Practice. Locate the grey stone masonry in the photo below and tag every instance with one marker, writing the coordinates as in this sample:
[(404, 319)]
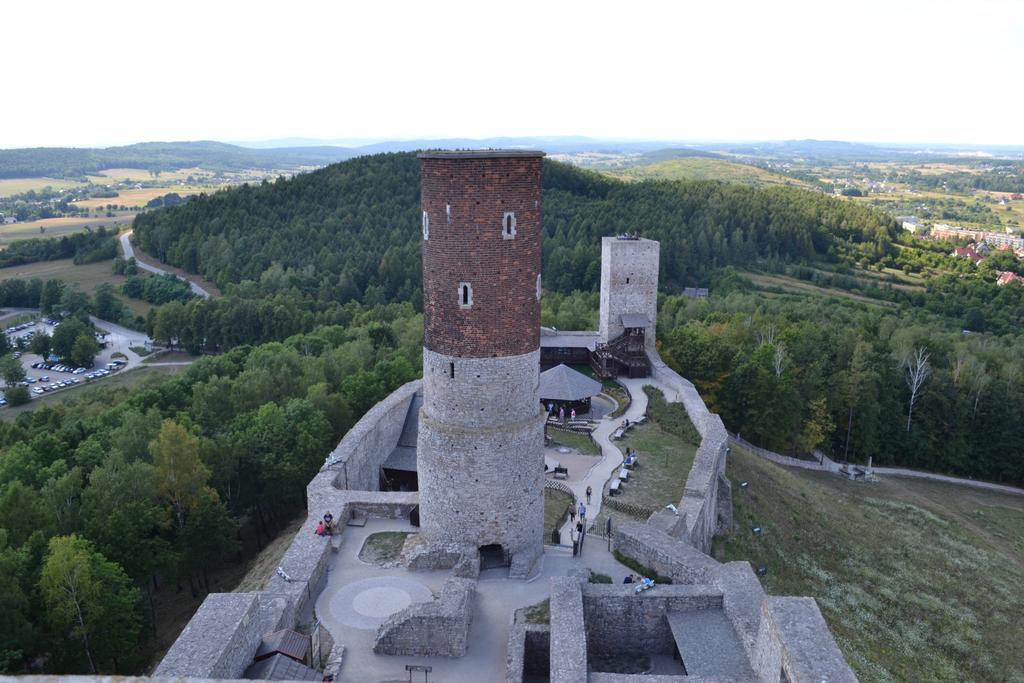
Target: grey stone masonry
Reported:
[(629, 285), (617, 618), (568, 632), (439, 628), (528, 653), (664, 554), (706, 480), (809, 654), (221, 638), (357, 459), (484, 485)]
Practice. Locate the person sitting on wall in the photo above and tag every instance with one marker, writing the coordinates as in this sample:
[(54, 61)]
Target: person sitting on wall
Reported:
[(329, 522), (320, 529), (628, 579)]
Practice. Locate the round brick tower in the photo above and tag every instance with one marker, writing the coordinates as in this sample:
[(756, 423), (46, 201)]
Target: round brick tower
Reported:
[(480, 448)]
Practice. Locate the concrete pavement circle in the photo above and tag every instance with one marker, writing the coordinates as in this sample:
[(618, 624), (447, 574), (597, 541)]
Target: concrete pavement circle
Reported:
[(367, 604)]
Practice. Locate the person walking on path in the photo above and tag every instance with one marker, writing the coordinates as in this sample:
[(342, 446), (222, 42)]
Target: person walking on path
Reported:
[(561, 413), (581, 533), (590, 491), (572, 415), (572, 513), (575, 536), (582, 511)]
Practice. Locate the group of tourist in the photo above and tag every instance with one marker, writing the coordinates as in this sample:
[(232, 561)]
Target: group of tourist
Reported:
[(561, 412), (325, 527)]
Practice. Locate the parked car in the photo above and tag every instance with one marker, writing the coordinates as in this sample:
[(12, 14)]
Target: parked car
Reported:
[(44, 378), (37, 391)]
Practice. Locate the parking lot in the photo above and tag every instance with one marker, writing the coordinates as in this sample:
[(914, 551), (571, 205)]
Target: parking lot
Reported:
[(43, 377)]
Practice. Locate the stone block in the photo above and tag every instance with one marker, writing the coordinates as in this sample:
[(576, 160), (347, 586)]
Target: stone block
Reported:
[(439, 628)]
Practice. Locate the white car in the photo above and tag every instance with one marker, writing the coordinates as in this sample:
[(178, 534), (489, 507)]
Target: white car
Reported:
[(38, 390)]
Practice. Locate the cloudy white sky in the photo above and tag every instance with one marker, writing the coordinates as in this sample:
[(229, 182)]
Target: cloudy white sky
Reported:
[(98, 73)]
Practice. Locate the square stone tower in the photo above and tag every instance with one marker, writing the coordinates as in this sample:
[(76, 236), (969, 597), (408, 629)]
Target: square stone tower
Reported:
[(629, 287), (480, 449)]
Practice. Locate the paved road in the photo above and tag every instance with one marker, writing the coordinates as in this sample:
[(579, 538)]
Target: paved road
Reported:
[(129, 252)]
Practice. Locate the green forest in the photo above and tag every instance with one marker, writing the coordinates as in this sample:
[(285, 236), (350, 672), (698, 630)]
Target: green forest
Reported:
[(350, 231), (150, 491), (75, 162)]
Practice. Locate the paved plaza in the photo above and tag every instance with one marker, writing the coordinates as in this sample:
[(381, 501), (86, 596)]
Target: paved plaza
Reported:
[(358, 597)]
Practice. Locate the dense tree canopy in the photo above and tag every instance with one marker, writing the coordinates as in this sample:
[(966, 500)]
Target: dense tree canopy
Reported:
[(351, 231), (117, 488)]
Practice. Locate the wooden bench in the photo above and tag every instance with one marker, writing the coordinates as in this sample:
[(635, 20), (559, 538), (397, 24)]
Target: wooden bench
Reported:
[(561, 473), (624, 474), (613, 488)]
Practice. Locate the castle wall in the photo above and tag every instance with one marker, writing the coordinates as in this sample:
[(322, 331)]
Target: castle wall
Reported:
[(618, 618), (357, 459), (222, 637), (699, 503), (629, 285)]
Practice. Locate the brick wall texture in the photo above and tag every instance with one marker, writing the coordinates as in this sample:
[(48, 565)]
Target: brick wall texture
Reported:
[(466, 198)]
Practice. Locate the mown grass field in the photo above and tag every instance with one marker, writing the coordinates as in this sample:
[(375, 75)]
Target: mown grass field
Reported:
[(58, 227), (85, 277), (109, 175), (137, 199), (13, 186), (918, 580), (797, 286), (700, 168)]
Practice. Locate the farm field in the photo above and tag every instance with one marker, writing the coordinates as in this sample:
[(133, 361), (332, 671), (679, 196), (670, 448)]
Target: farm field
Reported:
[(57, 227), (13, 186), (137, 199), (85, 277), (701, 168), (795, 286), (918, 580), (108, 175)]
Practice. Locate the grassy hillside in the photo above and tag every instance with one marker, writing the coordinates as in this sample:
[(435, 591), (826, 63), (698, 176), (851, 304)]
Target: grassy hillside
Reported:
[(918, 580), (700, 168)]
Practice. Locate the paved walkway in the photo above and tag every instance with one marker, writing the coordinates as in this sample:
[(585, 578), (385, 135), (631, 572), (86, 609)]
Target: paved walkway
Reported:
[(611, 456), (129, 252), (900, 472), (828, 465)]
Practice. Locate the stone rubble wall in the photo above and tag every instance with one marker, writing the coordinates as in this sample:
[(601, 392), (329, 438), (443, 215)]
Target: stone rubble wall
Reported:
[(809, 654), (618, 617), (528, 653), (357, 459), (431, 629), (568, 632), (222, 637), (700, 495)]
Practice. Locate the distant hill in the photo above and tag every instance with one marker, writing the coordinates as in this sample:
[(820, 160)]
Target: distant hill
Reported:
[(351, 230), (73, 162), (705, 167)]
